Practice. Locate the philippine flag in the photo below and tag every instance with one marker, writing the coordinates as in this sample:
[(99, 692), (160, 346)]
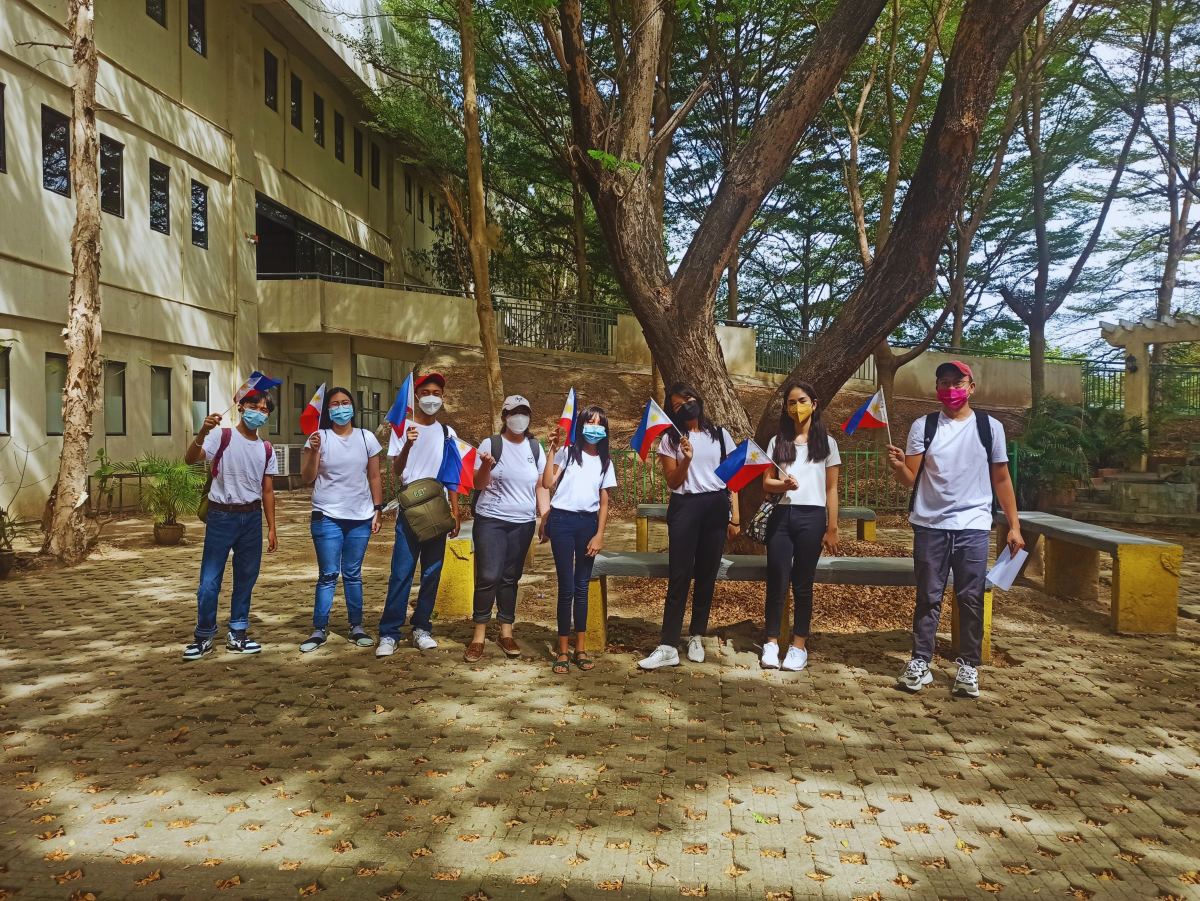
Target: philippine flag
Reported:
[(256, 384), (743, 466), (458, 466), (310, 419), (566, 422), (871, 415), (654, 423), (399, 415)]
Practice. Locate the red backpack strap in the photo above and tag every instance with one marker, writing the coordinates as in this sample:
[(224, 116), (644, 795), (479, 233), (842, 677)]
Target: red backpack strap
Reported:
[(226, 435), (270, 451)]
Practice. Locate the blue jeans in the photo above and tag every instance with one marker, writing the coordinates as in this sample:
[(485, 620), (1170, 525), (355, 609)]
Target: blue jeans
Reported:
[(224, 532), (405, 555), (569, 534), (341, 545)]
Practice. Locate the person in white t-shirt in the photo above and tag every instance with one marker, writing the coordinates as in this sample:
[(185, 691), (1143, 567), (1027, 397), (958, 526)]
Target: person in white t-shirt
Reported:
[(418, 456), (956, 459), (804, 521), (510, 501), (580, 477), (242, 492), (342, 463), (701, 514)]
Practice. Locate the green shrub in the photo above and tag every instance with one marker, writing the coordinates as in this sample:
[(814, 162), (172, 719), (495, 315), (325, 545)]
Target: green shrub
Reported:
[(169, 489)]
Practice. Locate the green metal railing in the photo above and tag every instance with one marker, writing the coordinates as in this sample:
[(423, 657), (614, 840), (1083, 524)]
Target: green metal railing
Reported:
[(554, 325), (1103, 384)]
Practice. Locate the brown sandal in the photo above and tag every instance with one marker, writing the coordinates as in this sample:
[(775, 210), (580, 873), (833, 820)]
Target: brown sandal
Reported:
[(583, 661), (474, 652)]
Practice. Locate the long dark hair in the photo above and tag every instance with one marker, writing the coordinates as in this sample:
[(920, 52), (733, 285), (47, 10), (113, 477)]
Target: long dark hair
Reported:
[(683, 389), (326, 422), (575, 451), (818, 435)]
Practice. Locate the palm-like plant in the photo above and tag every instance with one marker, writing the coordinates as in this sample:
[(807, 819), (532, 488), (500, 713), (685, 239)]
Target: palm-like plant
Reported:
[(1110, 439), (170, 488), (1051, 451)]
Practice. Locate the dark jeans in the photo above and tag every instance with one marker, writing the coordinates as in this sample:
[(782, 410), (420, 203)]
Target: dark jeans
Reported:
[(405, 554), (696, 525), (341, 545), (500, 549), (794, 535), (224, 532), (937, 552), (569, 534)]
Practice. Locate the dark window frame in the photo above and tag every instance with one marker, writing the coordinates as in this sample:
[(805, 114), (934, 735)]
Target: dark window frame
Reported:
[(154, 370), (6, 384), (200, 239), (339, 137), (407, 193), (63, 359), (204, 377), (112, 206), (124, 398), (270, 80), (420, 203), (164, 170), (376, 165), (53, 118), (432, 210), (358, 152), (197, 26), (157, 10), (3, 130), (296, 99), (318, 119)]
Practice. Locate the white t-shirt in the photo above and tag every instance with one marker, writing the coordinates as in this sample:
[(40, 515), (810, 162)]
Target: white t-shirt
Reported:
[(810, 475), (342, 489), (425, 455), (706, 457), (241, 470), (955, 491), (511, 495), (579, 487)]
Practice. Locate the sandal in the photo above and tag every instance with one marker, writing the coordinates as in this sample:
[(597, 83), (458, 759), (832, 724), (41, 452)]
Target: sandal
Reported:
[(358, 635), (583, 661), (313, 641), (562, 666)]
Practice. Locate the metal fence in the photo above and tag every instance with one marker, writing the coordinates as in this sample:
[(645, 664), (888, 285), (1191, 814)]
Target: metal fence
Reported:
[(779, 354), (552, 325), (1103, 383), (1176, 389)]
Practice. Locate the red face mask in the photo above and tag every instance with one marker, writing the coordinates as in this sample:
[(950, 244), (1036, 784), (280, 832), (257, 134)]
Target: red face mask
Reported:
[(953, 397)]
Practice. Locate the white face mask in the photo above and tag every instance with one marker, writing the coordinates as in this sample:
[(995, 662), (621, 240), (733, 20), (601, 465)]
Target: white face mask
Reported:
[(518, 423), (430, 404)]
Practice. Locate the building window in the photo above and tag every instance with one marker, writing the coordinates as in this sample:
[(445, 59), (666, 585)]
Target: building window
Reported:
[(4, 358), (114, 398), (273, 419), (3, 151), (339, 137), (56, 382), (297, 102), (358, 141), (432, 210), (270, 80), (299, 402), (157, 10), (199, 214), (199, 400), (112, 176), (197, 32), (319, 119), (374, 165), (56, 152), (421, 202), (160, 197), (289, 243), (407, 193), (160, 400)]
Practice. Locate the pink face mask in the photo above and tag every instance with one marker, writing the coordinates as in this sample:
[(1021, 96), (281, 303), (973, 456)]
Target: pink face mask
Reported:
[(953, 397)]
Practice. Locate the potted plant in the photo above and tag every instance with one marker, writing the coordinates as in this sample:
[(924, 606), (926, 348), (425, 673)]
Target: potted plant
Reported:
[(1052, 461), (169, 489)]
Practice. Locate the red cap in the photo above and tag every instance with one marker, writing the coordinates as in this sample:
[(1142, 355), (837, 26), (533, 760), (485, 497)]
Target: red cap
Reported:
[(957, 364), (431, 377)]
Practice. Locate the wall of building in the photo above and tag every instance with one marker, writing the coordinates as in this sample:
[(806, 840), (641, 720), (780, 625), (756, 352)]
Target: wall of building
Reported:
[(998, 381)]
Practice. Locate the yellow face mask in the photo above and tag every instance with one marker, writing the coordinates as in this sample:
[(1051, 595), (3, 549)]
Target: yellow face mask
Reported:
[(799, 411)]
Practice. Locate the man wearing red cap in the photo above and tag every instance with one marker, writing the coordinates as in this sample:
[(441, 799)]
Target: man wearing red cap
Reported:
[(954, 460)]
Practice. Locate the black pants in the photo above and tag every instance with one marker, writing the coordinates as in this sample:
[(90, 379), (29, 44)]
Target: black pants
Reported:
[(696, 525), (793, 548), (500, 549)]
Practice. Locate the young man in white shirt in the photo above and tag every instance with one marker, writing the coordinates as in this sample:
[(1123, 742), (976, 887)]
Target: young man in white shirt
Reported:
[(418, 456), (242, 490), (956, 458)]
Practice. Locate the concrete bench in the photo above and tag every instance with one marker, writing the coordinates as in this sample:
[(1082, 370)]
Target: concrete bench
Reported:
[(864, 516), (1145, 571), (888, 571)]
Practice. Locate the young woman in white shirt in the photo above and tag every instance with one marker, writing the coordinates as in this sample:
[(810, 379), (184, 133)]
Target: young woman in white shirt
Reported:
[(700, 515), (580, 476), (804, 521), (343, 463)]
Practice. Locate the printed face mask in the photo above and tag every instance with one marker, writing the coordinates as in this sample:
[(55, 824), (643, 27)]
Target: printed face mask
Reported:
[(689, 411), (518, 423), (430, 404), (343, 414), (254, 419), (594, 433), (799, 411), (953, 397)]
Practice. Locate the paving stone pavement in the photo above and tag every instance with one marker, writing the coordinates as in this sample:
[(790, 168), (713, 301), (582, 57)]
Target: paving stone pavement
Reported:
[(127, 774)]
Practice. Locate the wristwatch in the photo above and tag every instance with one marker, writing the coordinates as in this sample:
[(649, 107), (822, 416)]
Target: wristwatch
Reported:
[(379, 508)]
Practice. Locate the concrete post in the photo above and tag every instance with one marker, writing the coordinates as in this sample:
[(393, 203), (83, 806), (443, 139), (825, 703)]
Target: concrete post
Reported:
[(345, 364), (597, 618), (1070, 570), (1137, 386), (244, 287)]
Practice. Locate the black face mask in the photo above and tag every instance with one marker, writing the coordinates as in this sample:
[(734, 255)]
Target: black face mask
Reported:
[(689, 411)]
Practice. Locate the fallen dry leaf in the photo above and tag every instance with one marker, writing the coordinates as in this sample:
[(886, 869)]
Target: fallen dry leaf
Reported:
[(67, 877), (610, 885), (150, 877), (694, 891), (734, 871), (212, 862), (223, 884), (309, 890), (57, 855), (448, 875), (180, 824), (530, 879), (291, 865), (343, 846)]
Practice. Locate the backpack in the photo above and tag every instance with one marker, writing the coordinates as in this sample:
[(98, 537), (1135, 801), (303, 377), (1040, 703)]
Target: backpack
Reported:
[(983, 427), (226, 436), (497, 447)]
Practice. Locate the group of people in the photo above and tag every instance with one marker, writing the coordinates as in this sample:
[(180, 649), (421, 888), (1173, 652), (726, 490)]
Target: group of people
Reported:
[(954, 461)]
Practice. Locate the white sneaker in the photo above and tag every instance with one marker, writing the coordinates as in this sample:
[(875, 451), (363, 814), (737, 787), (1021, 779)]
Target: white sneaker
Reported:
[(695, 649), (770, 655), (915, 675), (422, 640), (966, 683), (663, 655), (386, 647), (796, 660)]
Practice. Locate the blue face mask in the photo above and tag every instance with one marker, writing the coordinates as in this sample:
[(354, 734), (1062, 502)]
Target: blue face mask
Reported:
[(343, 414), (594, 433), (254, 419)]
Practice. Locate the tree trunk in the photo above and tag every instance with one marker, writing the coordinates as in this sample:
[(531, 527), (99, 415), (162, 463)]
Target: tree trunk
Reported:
[(731, 285), (887, 363), (1037, 358), (581, 266), (478, 242), (70, 535)]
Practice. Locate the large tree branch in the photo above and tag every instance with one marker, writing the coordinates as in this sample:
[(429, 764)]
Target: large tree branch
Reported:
[(923, 345), (668, 129), (587, 106)]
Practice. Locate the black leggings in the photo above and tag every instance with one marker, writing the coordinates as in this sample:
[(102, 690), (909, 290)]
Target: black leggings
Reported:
[(696, 525), (500, 549), (793, 548)]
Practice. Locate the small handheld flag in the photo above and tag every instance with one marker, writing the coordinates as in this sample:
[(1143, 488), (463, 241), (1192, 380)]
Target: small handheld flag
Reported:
[(871, 415), (566, 422), (310, 419), (743, 466), (256, 384), (458, 466), (654, 423), (399, 415)]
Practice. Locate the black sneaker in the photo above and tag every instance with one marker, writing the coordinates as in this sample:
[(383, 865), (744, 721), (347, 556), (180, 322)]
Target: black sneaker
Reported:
[(201, 647), (238, 643)]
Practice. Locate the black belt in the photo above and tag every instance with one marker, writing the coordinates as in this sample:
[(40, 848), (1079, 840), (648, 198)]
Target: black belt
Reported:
[(252, 507)]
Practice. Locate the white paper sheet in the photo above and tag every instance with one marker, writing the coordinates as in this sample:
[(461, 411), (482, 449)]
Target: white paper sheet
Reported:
[(1006, 568)]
